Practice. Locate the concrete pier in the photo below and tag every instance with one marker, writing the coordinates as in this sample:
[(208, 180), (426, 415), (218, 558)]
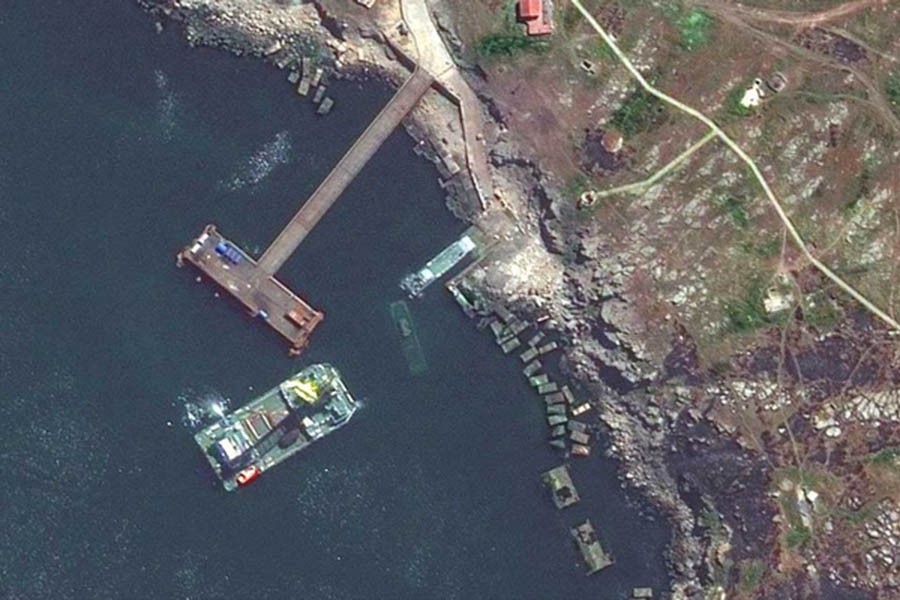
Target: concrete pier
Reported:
[(345, 172), (262, 295), (253, 283)]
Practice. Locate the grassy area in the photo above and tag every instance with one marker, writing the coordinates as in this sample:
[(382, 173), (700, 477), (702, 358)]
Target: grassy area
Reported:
[(855, 517), (886, 457), (710, 519), (601, 51), (640, 113), (797, 536), (819, 310), (509, 39), (747, 313), (863, 185), (694, 27), (733, 106), (735, 209), (571, 18), (576, 186), (807, 478), (892, 89), (763, 246), (751, 574), (509, 44)]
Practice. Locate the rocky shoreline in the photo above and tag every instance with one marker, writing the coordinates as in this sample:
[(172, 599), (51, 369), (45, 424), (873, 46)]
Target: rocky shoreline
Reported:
[(714, 491), (284, 37)]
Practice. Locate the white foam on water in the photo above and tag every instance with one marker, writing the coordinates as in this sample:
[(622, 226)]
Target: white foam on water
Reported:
[(167, 106), (199, 407), (261, 164)]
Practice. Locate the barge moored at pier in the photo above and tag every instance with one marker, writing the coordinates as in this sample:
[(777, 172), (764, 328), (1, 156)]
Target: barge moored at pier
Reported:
[(415, 283), (241, 445)]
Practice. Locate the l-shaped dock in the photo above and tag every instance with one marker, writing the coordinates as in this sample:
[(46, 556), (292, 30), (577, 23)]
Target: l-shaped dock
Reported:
[(253, 283)]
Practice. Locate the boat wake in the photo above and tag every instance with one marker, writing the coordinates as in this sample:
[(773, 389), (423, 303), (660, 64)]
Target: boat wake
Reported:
[(204, 409)]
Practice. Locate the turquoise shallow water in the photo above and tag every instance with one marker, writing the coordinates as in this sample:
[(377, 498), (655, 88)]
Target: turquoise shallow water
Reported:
[(116, 146)]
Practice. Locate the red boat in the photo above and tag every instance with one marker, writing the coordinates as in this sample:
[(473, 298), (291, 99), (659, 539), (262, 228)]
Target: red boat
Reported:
[(248, 475)]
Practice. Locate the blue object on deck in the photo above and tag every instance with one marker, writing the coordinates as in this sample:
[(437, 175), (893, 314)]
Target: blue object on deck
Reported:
[(233, 255), (221, 248)]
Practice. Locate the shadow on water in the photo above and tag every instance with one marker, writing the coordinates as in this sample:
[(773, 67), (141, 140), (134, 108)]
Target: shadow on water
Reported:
[(116, 147)]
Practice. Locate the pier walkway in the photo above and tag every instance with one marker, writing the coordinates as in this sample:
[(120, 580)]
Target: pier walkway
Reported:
[(345, 172), (253, 283), (431, 53)]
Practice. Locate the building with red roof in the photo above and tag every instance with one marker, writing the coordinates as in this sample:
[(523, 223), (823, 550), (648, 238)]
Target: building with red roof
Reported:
[(531, 12)]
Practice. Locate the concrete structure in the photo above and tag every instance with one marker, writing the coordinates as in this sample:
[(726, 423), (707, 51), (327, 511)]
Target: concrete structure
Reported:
[(259, 292), (345, 172), (253, 283), (430, 53)]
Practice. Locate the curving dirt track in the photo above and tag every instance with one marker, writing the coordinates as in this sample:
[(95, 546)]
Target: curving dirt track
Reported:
[(739, 17), (786, 17)]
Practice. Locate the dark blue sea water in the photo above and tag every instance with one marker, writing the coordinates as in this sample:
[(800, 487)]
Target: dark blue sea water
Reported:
[(116, 146)]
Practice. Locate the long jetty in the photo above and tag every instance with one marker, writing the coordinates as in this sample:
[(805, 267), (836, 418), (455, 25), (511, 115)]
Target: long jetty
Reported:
[(346, 171), (253, 283)]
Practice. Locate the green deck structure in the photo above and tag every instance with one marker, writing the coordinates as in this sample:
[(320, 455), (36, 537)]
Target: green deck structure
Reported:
[(595, 557), (409, 341)]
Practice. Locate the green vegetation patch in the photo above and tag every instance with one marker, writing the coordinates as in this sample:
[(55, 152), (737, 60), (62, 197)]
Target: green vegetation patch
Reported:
[(892, 89), (751, 574), (855, 517), (603, 52), (571, 17), (747, 313), (733, 106), (797, 536), (694, 27), (710, 519), (509, 39), (862, 184), (577, 185), (735, 209), (808, 479), (820, 310), (886, 457), (640, 113), (763, 246), (509, 44)]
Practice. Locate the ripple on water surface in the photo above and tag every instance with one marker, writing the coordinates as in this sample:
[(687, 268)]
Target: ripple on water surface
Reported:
[(52, 519), (261, 163), (167, 106)]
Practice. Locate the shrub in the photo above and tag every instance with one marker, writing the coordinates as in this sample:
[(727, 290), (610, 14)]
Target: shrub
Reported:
[(694, 27), (641, 112), (505, 44)]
